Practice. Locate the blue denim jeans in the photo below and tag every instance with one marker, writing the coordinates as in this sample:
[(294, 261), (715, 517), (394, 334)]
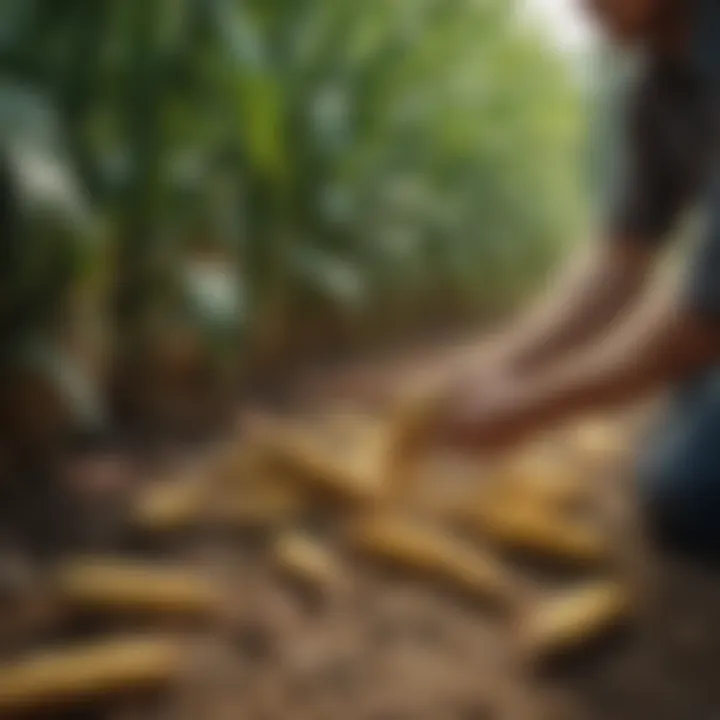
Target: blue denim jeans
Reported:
[(679, 468)]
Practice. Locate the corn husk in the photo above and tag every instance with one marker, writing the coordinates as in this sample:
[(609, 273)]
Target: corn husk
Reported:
[(546, 476), (529, 529), (302, 558), (265, 502), (118, 586), (171, 505), (574, 620), (410, 424), (74, 675), (431, 551), (353, 473)]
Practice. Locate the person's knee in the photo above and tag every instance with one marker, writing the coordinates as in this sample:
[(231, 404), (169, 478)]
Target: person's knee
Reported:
[(679, 469), (680, 502), (660, 489)]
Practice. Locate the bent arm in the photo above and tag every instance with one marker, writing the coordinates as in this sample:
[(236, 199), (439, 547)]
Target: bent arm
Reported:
[(599, 285), (658, 345)]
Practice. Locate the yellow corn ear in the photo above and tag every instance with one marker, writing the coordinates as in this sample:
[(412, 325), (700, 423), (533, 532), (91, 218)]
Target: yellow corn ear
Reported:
[(303, 558), (597, 441), (112, 585), (77, 674), (572, 621), (410, 424), (264, 502), (527, 529), (545, 478), (171, 506), (429, 550), (236, 465), (353, 476)]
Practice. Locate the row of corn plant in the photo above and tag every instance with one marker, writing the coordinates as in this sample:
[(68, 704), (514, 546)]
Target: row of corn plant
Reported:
[(260, 177)]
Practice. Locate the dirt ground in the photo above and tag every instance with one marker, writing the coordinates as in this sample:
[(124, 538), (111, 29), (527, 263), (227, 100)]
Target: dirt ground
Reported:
[(379, 644)]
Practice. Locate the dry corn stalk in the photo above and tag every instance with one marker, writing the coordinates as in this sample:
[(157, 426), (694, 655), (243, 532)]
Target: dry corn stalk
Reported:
[(113, 585), (574, 620), (352, 474), (415, 546), (303, 558), (79, 673), (530, 529)]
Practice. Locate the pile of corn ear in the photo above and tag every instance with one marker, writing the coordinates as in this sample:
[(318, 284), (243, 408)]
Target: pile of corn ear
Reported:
[(535, 505)]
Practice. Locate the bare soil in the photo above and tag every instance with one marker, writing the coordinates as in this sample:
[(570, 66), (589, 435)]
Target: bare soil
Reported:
[(378, 646)]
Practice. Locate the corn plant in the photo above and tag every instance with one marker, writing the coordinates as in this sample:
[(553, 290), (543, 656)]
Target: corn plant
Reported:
[(273, 170)]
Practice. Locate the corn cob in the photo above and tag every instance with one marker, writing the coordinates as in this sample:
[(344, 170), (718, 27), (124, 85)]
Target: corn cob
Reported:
[(596, 441), (574, 620), (113, 585), (266, 501), (177, 506), (353, 476), (525, 528), (304, 559), (410, 424), (417, 547), (548, 479), (74, 675), (171, 506)]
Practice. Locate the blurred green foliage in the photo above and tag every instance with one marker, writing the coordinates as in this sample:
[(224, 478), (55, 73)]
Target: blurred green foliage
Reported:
[(270, 169)]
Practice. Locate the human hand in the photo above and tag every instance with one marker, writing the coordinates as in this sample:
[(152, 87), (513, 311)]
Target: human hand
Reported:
[(488, 414), (443, 408)]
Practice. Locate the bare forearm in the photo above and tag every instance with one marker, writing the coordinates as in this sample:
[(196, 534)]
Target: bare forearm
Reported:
[(598, 288), (659, 345)]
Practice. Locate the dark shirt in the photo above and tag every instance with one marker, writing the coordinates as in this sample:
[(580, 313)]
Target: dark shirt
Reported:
[(672, 161)]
